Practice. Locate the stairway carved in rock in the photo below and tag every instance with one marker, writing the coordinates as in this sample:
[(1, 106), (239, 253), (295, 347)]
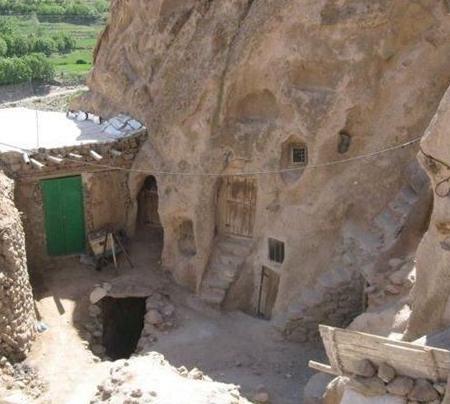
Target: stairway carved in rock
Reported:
[(228, 256)]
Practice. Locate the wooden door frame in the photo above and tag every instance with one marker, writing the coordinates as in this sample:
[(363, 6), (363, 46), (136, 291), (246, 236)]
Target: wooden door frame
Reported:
[(223, 205)]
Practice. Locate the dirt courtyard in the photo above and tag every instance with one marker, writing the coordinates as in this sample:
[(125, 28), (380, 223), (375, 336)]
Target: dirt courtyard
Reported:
[(229, 347)]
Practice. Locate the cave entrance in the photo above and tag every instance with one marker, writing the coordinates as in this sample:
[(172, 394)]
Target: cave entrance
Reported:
[(149, 203), (149, 228), (123, 321)]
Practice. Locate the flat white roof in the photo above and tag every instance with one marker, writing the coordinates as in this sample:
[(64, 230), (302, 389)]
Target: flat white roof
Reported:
[(19, 129)]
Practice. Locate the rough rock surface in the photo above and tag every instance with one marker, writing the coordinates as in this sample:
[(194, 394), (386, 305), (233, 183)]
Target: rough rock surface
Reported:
[(17, 318), (227, 86), (431, 293), (151, 379)]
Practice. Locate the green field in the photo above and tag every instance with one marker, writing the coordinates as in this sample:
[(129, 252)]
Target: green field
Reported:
[(67, 70)]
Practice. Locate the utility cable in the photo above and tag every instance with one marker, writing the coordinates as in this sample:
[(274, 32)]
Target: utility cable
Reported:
[(249, 173)]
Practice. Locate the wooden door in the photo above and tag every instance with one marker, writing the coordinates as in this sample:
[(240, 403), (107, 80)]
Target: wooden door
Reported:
[(268, 291), (64, 215), (237, 204)]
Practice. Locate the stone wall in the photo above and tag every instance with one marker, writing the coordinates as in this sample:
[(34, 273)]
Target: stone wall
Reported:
[(105, 190), (17, 317)]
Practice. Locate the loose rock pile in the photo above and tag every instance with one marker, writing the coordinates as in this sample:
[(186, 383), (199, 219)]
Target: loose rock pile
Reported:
[(20, 377), (397, 281), (378, 381), (151, 379), (159, 319)]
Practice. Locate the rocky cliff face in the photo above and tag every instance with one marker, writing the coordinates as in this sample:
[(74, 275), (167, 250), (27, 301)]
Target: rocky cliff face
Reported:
[(229, 87), (17, 319), (431, 293)]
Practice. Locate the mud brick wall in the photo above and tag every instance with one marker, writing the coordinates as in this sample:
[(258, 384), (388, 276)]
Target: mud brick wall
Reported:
[(105, 188)]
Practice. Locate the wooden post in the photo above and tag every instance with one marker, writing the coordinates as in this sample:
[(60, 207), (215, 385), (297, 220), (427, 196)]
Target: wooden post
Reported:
[(36, 164), (95, 155), (113, 248)]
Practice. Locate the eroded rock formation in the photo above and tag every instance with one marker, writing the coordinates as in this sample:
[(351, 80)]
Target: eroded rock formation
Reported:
[(431, 293), (17, 318), (258, 86)]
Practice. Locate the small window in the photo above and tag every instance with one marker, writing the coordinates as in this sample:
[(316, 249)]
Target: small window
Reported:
[(299, 155), (276, 250)]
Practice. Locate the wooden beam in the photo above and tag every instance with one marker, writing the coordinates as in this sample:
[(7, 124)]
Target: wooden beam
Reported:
[(321, 367)]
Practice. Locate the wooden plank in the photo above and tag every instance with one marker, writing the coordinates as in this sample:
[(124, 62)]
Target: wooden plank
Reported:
[(346, 348), (328, 337), (321, 367)]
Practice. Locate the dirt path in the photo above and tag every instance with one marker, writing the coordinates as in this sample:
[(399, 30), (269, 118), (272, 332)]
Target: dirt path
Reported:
[(60, 354), (230, 347), (53, 99)]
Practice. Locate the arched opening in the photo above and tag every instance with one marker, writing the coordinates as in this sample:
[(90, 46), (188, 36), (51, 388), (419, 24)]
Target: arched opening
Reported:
[(148, 223)]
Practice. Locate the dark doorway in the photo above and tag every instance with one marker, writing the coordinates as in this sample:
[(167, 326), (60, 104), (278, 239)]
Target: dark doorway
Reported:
[(148, 203), (123, 321)]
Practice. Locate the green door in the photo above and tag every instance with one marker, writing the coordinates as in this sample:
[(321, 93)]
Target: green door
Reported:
[(64, 215)]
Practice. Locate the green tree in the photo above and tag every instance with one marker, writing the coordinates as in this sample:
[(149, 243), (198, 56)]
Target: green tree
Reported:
[(8, 25), (64, 42), (14, 70), (44, 45), (18, 45), (3, 47), (41, 68)]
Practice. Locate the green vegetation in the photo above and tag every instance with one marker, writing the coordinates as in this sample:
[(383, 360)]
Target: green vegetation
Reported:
[(56, 10), (26, 68), (64, 49)]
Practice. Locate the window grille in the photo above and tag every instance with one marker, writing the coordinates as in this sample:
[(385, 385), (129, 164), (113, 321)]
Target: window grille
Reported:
[(299, 155), (276, 251)]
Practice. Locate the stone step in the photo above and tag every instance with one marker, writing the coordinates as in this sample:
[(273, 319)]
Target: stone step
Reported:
[(213, 296), (221, 271), (226, 260), (218, 281), (234, 247)]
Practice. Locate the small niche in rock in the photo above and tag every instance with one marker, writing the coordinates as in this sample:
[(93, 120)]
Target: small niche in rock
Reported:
[(123, 321), (345, 141)]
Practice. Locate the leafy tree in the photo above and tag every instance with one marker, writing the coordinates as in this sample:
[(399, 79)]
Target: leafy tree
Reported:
[(41, 68), (8, 25), (44, 45), (18, 45), (14, 70), (3, 47), (64, 42), (102, 6)]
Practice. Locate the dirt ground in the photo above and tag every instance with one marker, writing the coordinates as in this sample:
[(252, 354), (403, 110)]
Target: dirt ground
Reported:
[(42, 97), (229, 347)]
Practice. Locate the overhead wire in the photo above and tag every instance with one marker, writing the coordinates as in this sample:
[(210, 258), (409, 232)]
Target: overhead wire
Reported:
[(243, 173)]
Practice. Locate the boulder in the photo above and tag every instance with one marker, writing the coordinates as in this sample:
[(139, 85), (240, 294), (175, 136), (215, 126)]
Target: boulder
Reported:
[(315, 388), (400, 386), (97, 294), (365, 368), (386, 372), (154, 317), (261, 397), (423, 391)]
